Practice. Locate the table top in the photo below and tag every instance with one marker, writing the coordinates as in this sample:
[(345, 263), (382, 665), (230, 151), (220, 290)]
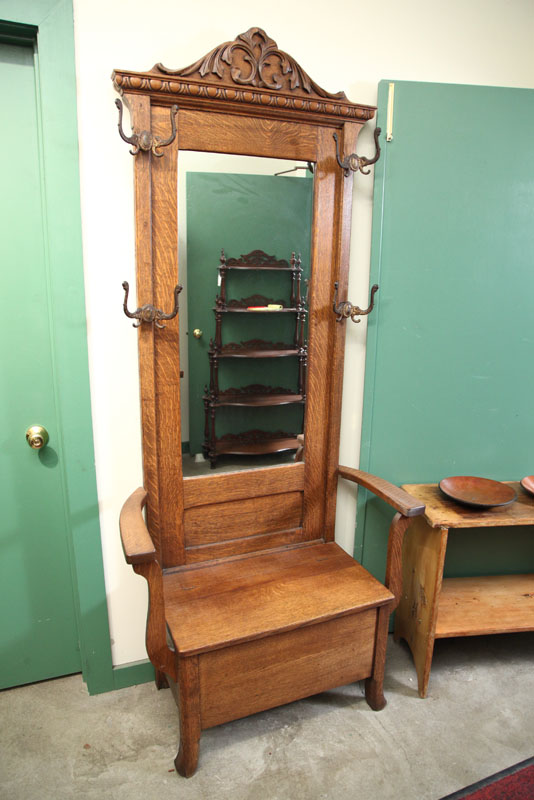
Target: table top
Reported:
[(440, 512)]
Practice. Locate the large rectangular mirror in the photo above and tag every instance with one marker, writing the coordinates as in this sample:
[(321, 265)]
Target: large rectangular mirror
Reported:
[(244, 228)]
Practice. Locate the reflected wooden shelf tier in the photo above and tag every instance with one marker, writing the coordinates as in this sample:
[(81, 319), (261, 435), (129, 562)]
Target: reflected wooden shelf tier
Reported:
[(254, 442)]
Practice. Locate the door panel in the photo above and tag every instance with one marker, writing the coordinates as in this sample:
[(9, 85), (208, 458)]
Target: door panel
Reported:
[(39, 636), (449, 377)]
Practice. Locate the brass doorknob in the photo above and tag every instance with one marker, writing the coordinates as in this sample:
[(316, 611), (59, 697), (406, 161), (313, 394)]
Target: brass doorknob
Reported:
[(197, 333), (37, 437)]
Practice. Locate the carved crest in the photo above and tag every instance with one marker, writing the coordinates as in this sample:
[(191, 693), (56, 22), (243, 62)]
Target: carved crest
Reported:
[(253, 59), (250, 71)]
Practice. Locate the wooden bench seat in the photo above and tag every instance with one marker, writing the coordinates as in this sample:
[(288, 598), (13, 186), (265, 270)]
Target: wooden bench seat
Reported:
[(236, 636), (211, 607)]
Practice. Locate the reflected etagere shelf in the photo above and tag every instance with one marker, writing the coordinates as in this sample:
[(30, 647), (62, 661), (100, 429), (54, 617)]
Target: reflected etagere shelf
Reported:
[(255, 395)]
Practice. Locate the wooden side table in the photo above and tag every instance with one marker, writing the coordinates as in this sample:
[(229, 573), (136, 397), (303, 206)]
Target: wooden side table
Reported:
[(432, 607)]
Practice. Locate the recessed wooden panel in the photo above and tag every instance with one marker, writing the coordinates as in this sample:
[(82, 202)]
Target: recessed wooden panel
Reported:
[(285, 667), (221, 521)]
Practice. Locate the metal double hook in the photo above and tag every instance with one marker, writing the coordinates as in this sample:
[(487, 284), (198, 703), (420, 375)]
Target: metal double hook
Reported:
[(145, 140), (149, 313), (355, 162), (344, 310)]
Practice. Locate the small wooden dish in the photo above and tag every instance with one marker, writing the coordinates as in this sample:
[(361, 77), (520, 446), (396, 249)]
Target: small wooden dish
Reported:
[(528, 484), (478, 492)]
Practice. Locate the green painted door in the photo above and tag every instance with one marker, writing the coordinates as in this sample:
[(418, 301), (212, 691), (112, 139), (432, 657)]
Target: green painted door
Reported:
[(39, 631), (240, 213), (450, 352)]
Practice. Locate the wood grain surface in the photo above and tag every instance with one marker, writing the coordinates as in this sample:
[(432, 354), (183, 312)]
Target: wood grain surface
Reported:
[(348, 137), (220, 605), (166, 343), (422, 573), (208, 489), (136, 541), (254, 676), (489, 604), (247, 136), (140, 116), (239, 518), (398, 498), (244, 545), (442, 512)]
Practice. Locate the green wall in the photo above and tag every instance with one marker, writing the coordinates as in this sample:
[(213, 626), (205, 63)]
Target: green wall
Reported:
[(450, 352)]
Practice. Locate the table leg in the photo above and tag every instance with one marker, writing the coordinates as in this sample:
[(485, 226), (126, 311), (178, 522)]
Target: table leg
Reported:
[(422, 574)]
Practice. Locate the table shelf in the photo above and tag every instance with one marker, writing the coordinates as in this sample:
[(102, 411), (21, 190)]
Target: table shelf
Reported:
[(488, 604)]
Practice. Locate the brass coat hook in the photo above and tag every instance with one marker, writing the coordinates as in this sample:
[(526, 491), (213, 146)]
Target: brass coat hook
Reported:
[(149, 313), (345, 309), (145, 140), (354, 162)]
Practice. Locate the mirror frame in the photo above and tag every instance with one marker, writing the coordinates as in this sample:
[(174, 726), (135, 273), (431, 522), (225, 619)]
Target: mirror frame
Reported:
[(248, 98)]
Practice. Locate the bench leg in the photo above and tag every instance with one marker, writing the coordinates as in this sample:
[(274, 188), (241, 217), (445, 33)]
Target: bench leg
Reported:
[(374, 685), (189, 708), (161, 680)]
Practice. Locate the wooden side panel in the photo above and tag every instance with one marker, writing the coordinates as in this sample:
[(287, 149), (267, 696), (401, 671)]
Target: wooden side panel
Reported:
[(254, 676), (141, 120), (166, 342), (331, 236), (415, 620), (248, 136), (336, 358)]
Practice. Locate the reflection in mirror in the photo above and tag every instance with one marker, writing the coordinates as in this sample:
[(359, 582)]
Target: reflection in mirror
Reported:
[(244, 262)]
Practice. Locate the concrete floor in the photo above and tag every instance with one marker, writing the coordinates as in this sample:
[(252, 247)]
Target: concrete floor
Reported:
[(57, 742)]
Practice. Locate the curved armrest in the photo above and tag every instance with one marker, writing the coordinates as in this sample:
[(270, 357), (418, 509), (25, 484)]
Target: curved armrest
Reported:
[(136, 541), (403, 502)]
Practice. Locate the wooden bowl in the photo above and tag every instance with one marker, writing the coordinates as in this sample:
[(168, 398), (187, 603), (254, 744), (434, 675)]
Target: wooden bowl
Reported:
[(478, 492), (528, 484)]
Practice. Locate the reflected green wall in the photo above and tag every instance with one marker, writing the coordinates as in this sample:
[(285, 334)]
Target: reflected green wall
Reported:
[(240, 213)]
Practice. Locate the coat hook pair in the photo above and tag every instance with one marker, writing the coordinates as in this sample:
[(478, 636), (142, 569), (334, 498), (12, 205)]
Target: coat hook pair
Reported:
[(355, 162), (149, 313), (145, 140), (345, 309)]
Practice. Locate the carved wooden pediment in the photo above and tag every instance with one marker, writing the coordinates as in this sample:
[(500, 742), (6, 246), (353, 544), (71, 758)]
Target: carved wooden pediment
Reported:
[(249, 70), (253, 59)]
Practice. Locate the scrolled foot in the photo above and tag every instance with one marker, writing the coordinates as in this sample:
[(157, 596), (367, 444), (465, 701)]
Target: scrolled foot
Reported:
[(186, 760), (374, 695)]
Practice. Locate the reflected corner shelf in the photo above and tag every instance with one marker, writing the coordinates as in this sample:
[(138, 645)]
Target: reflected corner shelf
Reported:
[(254, 442)]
